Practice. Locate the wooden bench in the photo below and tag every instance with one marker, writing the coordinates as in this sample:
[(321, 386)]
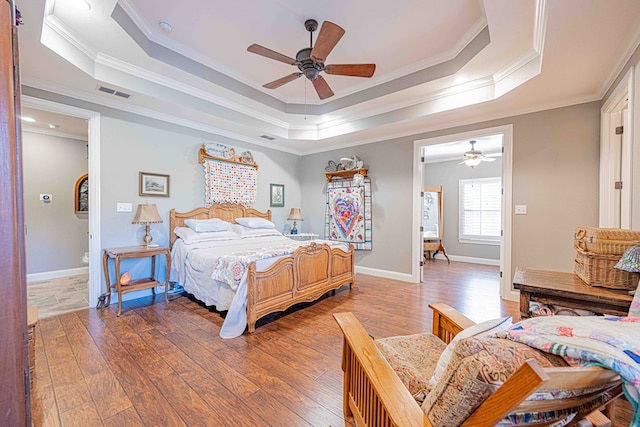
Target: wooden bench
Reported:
[(567, 290)]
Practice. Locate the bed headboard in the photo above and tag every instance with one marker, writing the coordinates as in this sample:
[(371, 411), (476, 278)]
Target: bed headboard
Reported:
[(225, 211)]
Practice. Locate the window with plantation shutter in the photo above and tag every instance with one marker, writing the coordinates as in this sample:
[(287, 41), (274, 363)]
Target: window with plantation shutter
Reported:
[(480, 210)]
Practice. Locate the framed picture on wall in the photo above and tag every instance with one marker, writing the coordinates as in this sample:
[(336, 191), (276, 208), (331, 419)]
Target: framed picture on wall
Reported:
[(153, 184), (277, 196)]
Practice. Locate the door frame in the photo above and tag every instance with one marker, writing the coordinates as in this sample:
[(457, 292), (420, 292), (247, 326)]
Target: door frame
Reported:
[(506, 288), (608, 140), (93, 140)]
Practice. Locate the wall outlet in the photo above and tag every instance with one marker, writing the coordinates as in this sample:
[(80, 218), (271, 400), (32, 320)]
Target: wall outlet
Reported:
[(46, 197), (124, 207), (521, 209)]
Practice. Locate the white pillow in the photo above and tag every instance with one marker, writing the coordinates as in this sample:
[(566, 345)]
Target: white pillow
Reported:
[(487, 328), (254, 222), (189, 236), (204, 225), (245, 232)]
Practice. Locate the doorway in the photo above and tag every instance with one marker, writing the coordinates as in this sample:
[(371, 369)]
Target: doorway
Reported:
[(93, 155), (505, 133), (55, 163), (616, 159)]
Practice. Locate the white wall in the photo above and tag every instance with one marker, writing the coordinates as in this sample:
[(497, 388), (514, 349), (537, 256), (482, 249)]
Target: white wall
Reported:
[(134, 145), (555, 173), (56, 236)]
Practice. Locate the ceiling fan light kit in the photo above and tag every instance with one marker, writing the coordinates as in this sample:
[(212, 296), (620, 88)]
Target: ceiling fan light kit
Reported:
[(310, 60), (473, 157)]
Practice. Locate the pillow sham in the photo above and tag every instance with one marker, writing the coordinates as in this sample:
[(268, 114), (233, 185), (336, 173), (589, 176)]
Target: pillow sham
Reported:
[(245, 232), (205, 225), (252, 222), (189, 236), (483, 329)]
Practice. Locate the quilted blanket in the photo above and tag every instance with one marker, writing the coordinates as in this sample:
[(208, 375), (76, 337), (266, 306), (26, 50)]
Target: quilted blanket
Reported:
[(231, 268), (610, 342)]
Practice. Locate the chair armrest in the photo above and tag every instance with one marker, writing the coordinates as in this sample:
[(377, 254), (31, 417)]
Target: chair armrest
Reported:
[(372, 390), (448, 322)]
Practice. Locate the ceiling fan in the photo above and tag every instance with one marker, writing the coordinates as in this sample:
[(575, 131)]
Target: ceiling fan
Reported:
[(473, 157), (310, 60)]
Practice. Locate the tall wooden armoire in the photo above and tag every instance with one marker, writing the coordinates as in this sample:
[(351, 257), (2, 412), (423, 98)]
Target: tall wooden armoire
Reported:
[(14, 368)]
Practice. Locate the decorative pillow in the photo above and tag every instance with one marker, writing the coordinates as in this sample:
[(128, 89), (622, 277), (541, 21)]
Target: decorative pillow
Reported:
[(245, 232), (477, 368), (254, 222), (413, 358), (486, 328), (206, 225), (189, 236)]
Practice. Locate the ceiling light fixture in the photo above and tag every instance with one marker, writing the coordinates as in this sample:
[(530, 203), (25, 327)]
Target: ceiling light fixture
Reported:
[(165, 26), (53, 126), (472, 162), (28, 119), (79, 4)]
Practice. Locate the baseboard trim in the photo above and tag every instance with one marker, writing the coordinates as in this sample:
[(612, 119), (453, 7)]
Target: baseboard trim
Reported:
[(471, 260), (48, 275), (385, 273)]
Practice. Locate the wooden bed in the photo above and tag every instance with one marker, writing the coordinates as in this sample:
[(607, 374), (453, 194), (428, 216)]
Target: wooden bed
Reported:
[(306, 275)]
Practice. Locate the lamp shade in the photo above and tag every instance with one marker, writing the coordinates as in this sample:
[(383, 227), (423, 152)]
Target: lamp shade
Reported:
[(630, 260), (147, 213), (295, 214)]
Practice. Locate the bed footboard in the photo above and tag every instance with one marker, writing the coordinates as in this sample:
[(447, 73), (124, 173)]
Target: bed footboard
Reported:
[(310, 272)]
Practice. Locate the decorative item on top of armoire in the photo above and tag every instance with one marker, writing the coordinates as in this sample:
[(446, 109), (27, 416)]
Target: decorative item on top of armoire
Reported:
[(228, 177), (348, 212), (81, 195)]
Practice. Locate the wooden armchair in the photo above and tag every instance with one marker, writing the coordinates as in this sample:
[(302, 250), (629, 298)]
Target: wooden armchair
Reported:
[(375, 396)]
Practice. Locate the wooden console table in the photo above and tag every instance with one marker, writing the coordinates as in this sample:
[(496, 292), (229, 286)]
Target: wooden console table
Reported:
[(567, 290), (118, 254)]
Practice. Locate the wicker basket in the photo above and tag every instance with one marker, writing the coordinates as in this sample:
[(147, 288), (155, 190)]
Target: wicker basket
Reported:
[(597, 270), (605, 241)]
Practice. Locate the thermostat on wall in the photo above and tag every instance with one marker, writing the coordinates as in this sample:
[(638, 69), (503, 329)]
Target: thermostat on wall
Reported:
[(46, 197)]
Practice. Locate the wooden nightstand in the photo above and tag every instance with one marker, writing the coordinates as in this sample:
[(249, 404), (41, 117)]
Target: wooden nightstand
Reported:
[(119, 254)]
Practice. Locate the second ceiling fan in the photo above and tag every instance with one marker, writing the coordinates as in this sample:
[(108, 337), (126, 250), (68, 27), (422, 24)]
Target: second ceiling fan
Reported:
[(311, 60)]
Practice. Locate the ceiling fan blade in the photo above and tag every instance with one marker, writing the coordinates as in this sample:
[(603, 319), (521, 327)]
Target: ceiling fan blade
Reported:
[(355, 70), (328, 37), (281, 81), (322, 87), (488, 159), (272, 54)]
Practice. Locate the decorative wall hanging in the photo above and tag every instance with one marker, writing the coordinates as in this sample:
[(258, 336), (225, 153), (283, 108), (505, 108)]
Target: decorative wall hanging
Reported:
[(276, 200), (228, 177), (348, 213)]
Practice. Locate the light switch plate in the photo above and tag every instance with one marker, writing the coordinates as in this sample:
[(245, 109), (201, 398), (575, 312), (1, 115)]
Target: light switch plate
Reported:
[(521, 209), (124, 207)]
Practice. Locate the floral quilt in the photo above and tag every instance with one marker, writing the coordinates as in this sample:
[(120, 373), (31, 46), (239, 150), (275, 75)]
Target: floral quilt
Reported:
[(229, 269), (610, 342)]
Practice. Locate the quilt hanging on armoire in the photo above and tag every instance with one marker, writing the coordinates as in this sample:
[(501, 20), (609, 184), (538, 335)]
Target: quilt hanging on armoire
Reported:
[(229, 182), (348, 213)]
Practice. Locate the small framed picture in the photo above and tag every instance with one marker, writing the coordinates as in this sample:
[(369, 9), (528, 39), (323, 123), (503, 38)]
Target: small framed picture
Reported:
[(154, 184), (277, 196)]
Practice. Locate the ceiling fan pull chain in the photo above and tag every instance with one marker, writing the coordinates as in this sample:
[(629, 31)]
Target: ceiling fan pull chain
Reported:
[(305, 100)]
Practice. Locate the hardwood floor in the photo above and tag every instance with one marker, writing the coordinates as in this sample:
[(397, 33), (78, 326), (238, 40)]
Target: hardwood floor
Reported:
[(165, 365)]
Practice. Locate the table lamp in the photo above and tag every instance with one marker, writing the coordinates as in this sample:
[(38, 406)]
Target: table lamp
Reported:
[(295, 215), (147, 214), (630, 262)]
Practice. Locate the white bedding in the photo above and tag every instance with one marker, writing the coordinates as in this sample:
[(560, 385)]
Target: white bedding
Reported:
[(192, 267)]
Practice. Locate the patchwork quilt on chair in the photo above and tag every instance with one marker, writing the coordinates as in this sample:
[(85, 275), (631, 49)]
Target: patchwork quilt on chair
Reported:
[(610, 342)]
